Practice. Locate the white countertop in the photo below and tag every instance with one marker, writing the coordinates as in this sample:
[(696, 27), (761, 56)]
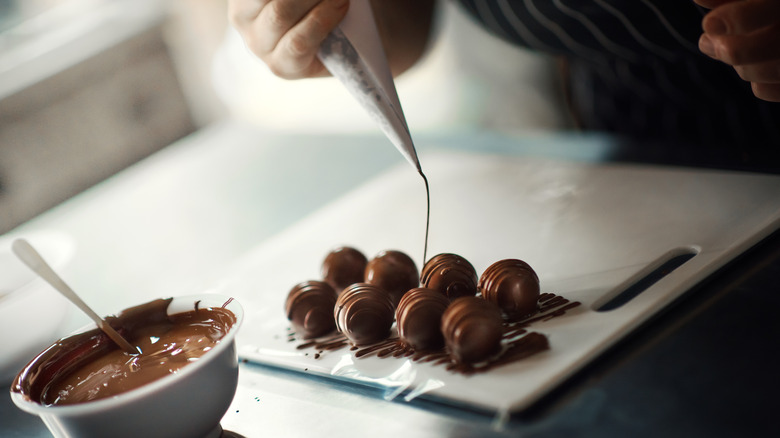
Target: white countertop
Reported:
[(173, 223)]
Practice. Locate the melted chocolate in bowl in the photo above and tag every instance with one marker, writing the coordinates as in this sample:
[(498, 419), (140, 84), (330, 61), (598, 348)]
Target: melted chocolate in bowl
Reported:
[(89, 366)]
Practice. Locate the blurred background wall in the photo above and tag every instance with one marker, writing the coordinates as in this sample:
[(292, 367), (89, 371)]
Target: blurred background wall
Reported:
[(88, 87)]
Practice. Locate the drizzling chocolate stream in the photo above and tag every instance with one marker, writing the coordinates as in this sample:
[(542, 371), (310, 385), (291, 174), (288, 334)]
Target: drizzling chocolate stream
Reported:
[(427, 215)]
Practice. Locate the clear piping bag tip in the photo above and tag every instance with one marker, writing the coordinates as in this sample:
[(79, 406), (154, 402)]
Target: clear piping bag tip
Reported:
[(353, 54)]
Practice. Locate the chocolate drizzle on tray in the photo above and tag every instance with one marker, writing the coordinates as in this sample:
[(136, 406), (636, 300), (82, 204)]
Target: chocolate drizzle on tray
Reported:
[(452, 320)]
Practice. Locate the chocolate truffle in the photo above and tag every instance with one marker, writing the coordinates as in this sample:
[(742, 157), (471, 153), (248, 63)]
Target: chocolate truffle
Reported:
[(394, 272), (364, 313), (513, 285), (418, 318), (309, 308), (451, 275), (343, 266), (472, 329)]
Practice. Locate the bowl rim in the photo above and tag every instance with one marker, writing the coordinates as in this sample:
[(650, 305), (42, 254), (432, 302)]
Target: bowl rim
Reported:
[(136, 394)]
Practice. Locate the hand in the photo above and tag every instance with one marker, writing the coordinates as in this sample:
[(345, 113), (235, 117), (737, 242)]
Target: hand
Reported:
[(746, 35), (287, 34)]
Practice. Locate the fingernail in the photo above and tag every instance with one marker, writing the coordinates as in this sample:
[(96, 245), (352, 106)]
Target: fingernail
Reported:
[(706, 46), (715, 26)]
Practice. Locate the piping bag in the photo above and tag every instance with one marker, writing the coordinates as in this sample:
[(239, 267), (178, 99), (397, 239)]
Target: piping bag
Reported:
[(353, 54)]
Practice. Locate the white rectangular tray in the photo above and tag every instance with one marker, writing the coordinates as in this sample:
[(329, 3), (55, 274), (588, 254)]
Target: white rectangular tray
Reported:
[(589, 230)]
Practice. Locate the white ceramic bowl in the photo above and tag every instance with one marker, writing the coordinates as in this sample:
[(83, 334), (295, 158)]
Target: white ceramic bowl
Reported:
[(24, 332), (189, 403)]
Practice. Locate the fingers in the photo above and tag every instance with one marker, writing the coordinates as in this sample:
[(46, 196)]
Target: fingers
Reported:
[(746, 35), (287, 34), (768, 72), (768, 92), (764, 78), (742, 32), (741, 17), (295, 55), (241, 12), (275, 19), (759, 46)]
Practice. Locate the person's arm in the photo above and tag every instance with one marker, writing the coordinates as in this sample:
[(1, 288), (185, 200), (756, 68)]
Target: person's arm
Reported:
[(746, 35), (286, 34)]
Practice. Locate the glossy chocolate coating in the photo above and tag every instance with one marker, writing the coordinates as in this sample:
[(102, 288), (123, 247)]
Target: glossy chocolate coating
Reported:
[(394, 272), (451, 275), (364, 313), (88, 366), (343, 266), (513, 285), (472, 329), (309, 307), (418, 318)]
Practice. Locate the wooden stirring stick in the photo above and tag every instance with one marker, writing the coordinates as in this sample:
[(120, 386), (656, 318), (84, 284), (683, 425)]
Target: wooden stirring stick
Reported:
[(30, 257)]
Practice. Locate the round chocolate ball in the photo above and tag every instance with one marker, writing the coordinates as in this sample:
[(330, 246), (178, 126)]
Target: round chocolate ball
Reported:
[(513, 285), (364, 313), (451, 275), (344, 266), (418, 318), (393, 271), (309, 308), (472, 329)]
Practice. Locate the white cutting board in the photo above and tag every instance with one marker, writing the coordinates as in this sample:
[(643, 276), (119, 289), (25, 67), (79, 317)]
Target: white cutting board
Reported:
[(587, 229)]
